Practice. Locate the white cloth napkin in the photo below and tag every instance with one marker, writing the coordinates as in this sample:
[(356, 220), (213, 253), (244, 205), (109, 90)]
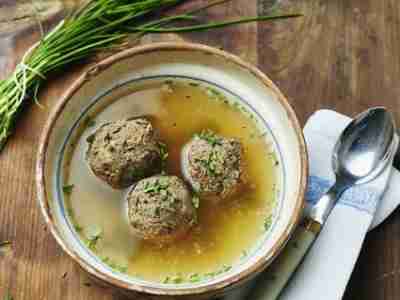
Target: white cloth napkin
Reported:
[(327, 267)]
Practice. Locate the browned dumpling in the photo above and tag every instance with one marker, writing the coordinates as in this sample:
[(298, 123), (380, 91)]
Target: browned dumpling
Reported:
[(160, 208), (123, 152), (213, 165)]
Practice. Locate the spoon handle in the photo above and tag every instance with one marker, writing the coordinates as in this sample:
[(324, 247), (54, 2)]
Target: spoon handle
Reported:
[(271, 283), (321, 211)]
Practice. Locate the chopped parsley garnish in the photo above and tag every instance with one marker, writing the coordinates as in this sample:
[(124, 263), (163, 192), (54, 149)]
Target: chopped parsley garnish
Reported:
[(208, 165), (163, 151), (155, 187), (196, 201), (67, 189), (174, 280), (161, 188), (210, 137), (213, 93), (70, 212), (122, 268), (224, 269), (93, 235), (78, 228), (195, 277), (268, 223), (89, 122), (211, 163), (194, 84), (105, 259)]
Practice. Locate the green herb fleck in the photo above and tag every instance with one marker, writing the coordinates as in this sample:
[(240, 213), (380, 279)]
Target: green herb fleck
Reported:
[(166, 279), (177, 279), (122, 268), (67, 189), (210, 163), (70, 212), (196, 201), (93, 234), (78, 228), (213, 93), (210, 137), (207, 165), (89, 122), (268, 223), (196, 277), (224, 269), (194, 84), (105, 259), (163, 151), (155, 187), (174, 279)]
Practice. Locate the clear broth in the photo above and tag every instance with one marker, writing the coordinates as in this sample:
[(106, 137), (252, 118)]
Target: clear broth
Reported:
[(225, 232)]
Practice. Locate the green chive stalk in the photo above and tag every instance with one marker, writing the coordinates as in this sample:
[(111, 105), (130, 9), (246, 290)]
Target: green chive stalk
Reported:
[(97, 26)]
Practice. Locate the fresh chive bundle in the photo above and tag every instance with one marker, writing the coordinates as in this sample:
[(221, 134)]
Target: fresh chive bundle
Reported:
[(98, 25)]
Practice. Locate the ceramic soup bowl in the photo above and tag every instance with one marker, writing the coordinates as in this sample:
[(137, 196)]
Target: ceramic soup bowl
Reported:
[(201, 63)]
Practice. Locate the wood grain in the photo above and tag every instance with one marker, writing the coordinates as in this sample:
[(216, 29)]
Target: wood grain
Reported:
[(342, 55)]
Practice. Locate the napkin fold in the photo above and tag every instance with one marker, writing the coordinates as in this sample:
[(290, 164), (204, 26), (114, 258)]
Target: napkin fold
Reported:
[(327, 268)]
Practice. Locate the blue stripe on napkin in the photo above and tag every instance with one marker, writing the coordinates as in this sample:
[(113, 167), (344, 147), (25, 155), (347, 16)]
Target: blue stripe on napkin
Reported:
[(360, 197)]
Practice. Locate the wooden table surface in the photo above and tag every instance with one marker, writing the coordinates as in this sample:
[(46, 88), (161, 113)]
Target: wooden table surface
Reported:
[(342, 55)]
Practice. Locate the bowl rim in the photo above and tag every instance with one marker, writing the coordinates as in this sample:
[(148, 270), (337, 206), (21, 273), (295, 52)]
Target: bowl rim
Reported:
[(258, 265)]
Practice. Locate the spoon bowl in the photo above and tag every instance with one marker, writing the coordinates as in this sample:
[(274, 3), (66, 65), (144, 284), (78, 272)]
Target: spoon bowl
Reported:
[(363, 151), (364, 147)]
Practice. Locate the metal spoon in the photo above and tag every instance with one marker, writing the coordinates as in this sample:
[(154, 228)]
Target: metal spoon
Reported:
[(365, 148), (362, 152)]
